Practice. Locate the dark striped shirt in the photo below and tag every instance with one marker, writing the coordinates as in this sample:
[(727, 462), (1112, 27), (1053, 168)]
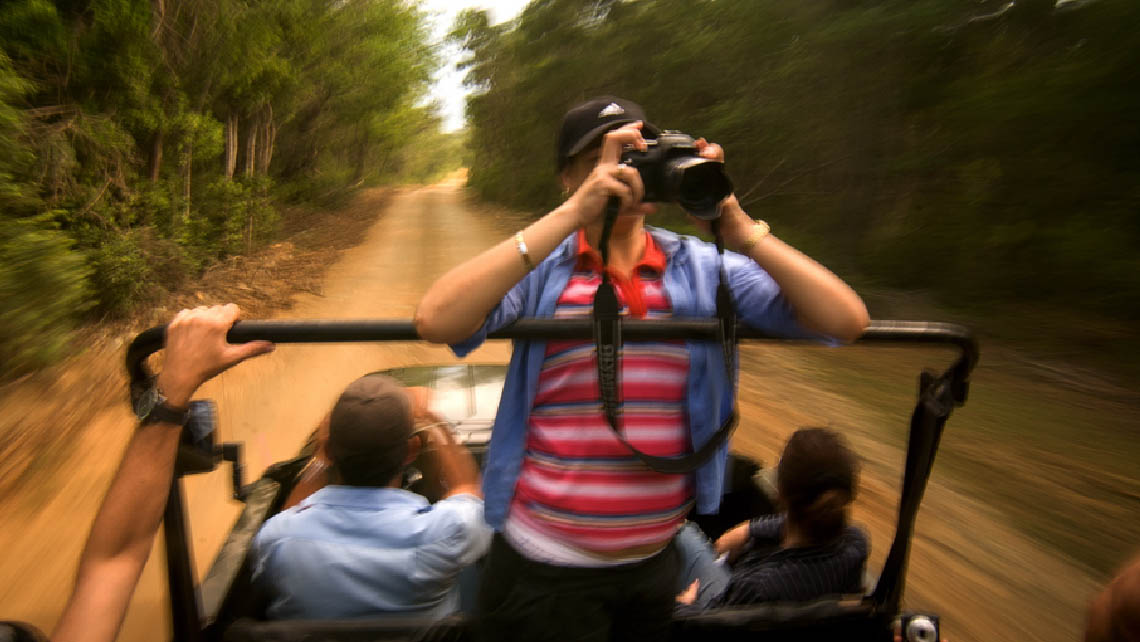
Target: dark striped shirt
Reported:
[(773, 574)]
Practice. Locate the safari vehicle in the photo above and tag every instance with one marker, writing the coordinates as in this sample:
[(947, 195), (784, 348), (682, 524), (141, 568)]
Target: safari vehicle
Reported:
[(224, 606)]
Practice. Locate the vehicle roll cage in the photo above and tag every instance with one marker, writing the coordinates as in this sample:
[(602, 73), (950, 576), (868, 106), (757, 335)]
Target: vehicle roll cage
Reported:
[(938, 395)]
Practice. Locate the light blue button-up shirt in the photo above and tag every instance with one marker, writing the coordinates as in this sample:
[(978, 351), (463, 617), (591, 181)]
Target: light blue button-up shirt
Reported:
[(351, 552), (690, 279)]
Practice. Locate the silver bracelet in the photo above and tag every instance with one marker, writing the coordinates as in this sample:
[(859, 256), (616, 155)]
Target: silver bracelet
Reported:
[(760, 229), (521, 245)]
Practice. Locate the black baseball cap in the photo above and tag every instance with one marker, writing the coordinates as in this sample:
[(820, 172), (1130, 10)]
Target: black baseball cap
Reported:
[(583, 124), (371, 417)]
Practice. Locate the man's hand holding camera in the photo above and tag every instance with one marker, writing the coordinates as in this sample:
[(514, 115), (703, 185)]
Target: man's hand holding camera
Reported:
[(456, 465)]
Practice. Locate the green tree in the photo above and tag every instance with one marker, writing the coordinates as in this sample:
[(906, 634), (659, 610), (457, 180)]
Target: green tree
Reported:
[(143, 139)]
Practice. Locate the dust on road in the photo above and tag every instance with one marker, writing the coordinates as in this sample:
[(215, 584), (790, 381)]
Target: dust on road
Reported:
[(988, 581)]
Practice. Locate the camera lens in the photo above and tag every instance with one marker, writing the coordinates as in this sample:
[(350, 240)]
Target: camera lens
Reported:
[(698, 184), (921, 629)]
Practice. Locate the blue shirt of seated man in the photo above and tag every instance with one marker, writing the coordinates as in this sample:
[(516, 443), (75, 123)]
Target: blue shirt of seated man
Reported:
[(352, 552), (363, 547)]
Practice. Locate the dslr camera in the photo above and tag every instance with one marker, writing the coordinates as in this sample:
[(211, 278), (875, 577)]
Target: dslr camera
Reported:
[(674, 172)]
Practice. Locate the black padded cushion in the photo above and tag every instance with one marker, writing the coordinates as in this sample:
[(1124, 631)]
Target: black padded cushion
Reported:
[(832, 620), (387, 629), (826, 619)]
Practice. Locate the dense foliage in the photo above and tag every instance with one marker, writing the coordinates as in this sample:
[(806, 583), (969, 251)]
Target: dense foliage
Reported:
[(986, 150), (142, 139)]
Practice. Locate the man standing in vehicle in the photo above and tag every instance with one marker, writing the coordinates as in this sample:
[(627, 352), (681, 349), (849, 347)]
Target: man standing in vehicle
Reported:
[(363, 546), (583, 529)]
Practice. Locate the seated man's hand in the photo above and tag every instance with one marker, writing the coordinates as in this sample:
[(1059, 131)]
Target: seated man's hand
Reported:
[(439, 435), (197, 350), (457, 467), (420, 399)]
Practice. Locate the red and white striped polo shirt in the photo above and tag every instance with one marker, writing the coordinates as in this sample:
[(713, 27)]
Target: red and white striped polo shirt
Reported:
[(582, 499)]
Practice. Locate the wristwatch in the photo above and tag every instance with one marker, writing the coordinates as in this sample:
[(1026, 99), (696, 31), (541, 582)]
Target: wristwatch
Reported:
[(152, 408)]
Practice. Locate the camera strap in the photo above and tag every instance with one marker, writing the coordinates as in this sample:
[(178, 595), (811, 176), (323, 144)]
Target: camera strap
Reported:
[(608, 342)]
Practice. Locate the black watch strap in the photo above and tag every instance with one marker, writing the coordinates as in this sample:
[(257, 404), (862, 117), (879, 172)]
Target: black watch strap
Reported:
[(164, 414)]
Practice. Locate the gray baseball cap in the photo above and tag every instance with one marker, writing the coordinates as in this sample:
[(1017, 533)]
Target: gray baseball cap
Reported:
[(372, 416)]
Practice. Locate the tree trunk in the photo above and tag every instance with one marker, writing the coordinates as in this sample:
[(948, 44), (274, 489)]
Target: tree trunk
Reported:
[(251, 150), (361, 155), (186, 188), (262, 148), (268, 138), (231, 145), (159, 12), (303, 160), (249, 233), (156, 157)]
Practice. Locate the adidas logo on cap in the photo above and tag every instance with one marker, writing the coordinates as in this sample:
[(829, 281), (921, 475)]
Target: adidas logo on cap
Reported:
[(612, 109)]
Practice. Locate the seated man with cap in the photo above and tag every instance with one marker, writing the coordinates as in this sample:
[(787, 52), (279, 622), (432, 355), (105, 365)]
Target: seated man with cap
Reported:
[(362, 546)]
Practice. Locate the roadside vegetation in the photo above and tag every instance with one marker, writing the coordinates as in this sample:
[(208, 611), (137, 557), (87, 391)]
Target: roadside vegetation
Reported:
[(143, 140), (983, 152)]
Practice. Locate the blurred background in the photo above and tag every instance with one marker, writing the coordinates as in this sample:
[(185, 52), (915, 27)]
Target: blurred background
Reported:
[(976, 162)]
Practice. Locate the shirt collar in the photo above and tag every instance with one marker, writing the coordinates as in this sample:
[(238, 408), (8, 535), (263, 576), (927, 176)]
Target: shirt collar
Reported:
[(652, 258), (367, 497)]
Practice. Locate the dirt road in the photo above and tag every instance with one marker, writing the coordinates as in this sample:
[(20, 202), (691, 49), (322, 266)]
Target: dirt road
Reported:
[(988, 581)]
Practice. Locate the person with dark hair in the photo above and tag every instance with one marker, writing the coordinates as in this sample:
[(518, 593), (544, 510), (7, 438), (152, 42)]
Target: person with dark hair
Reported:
[(582, 549), (363, 546), (807, 551)]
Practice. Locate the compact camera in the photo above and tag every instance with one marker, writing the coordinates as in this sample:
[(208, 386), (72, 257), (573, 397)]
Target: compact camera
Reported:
[(674, 172), (920, 627)]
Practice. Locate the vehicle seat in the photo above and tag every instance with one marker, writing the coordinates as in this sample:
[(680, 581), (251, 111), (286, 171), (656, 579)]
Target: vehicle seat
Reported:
[(828, 619), (227, 591), (387, 629), (746, 495), (20, 632)]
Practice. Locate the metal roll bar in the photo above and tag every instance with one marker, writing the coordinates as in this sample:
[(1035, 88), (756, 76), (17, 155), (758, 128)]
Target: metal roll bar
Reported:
[(938, 395), (288, 331)]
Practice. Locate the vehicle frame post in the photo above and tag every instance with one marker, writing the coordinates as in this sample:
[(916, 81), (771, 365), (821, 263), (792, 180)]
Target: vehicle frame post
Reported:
[(185, 611)]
